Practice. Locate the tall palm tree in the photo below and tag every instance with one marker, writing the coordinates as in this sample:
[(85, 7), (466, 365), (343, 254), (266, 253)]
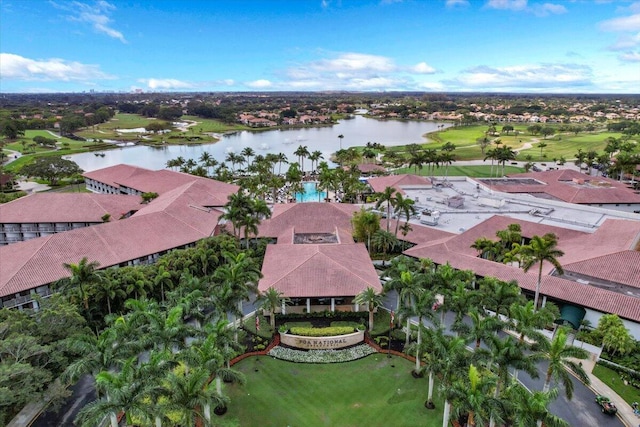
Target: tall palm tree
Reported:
[(386, 197), (271, 300), (372, 299), (315, 157), (192, 394), (472, 395), (340, 137), (560, 355), (420, 307), (247, 153), (453, 359), (83, 274), (241, 273), (302, 152), (497, 295), (526, 408), (404, 207), (539, 250)]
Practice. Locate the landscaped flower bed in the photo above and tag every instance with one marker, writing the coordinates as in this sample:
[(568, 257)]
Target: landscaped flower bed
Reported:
[(322, 356), (322, 332)]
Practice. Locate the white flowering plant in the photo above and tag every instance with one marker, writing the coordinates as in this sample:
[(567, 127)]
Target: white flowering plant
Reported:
[(322, 356)]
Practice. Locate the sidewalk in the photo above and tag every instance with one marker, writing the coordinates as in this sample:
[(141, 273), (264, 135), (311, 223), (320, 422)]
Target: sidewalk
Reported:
[(625, 412)]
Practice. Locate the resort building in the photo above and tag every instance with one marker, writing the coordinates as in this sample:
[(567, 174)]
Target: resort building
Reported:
[(569, 186), (187, 209), (43, 214), (315, 262)]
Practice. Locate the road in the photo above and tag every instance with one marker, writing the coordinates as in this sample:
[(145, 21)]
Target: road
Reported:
[(83, 393), (579, 411)]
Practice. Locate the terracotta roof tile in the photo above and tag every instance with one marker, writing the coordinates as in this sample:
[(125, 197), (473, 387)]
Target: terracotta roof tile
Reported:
[(318, 270), (378, 184), (67, 207)]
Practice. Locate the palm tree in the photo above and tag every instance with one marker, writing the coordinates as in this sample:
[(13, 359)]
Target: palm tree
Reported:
[(472, 395), (315, 157), (271, 300), (560, 355), (191, 393), (248, 153), (281, 158), (372, 299), (539, 250), (386, 197), (452, 359), (481, 327), (340, 137), (384, 241), (302, 151), (527, 322), (528, 408), (241, 274), (421, 307), (83, 274), (403, 206), (109, 290), (497, 295)]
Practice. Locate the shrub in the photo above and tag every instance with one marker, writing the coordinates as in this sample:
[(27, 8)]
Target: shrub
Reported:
[(322, 332), (322, 356)]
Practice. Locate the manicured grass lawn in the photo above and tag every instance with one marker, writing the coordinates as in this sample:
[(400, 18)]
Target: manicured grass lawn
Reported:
[(365, 392), (477, 171), (612, 379)]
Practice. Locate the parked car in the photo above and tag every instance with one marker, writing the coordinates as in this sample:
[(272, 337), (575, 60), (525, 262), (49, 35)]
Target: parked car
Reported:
[(606, 405)]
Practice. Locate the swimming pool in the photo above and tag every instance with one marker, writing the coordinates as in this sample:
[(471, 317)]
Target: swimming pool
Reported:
[(311, 193)]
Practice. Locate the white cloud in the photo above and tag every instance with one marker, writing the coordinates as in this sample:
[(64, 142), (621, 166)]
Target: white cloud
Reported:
[(629, 57), (544, 76), (523, 6), (96, 14), (354, 62), (622, 24), (16, 67), (423, 68), (629, 26), (507, 4), (457, 3), (259, 84), (166, 84)]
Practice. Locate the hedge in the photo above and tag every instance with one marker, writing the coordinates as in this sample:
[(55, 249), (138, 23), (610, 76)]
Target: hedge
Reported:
[(322, 332)]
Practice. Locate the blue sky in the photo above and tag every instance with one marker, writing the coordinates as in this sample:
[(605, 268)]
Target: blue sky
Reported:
[(529, 46)]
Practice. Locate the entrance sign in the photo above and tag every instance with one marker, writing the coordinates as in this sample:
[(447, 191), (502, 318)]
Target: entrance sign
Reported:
[(322, 343)]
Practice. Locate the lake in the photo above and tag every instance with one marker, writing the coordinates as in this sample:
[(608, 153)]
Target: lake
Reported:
[(357, 132)]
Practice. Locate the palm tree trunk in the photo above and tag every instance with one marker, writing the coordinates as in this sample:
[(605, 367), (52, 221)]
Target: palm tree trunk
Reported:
[(445, 417), (218, 385), (418, 346), (535, 299), (109, 305), (406, 341), (114, 419), (547, 381), (158, 421), (431, 381), (207, 413)]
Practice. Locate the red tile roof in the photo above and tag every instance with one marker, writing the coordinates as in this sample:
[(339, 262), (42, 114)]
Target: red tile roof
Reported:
[(378, 184), (181, 216), (620, 267), (313, 217), (581, 255), (572, 187), (160, 181), (67, 207), (318, 270)]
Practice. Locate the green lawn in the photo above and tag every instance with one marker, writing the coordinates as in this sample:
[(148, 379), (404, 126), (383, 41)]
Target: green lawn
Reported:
[(365, 392), (612, 379), (477, 171)]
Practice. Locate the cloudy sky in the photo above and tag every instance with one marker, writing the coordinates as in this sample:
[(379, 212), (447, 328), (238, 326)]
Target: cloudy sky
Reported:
[(546, 46)]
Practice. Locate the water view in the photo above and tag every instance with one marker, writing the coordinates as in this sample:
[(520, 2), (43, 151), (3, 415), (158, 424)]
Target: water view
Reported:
[(357, 132)]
